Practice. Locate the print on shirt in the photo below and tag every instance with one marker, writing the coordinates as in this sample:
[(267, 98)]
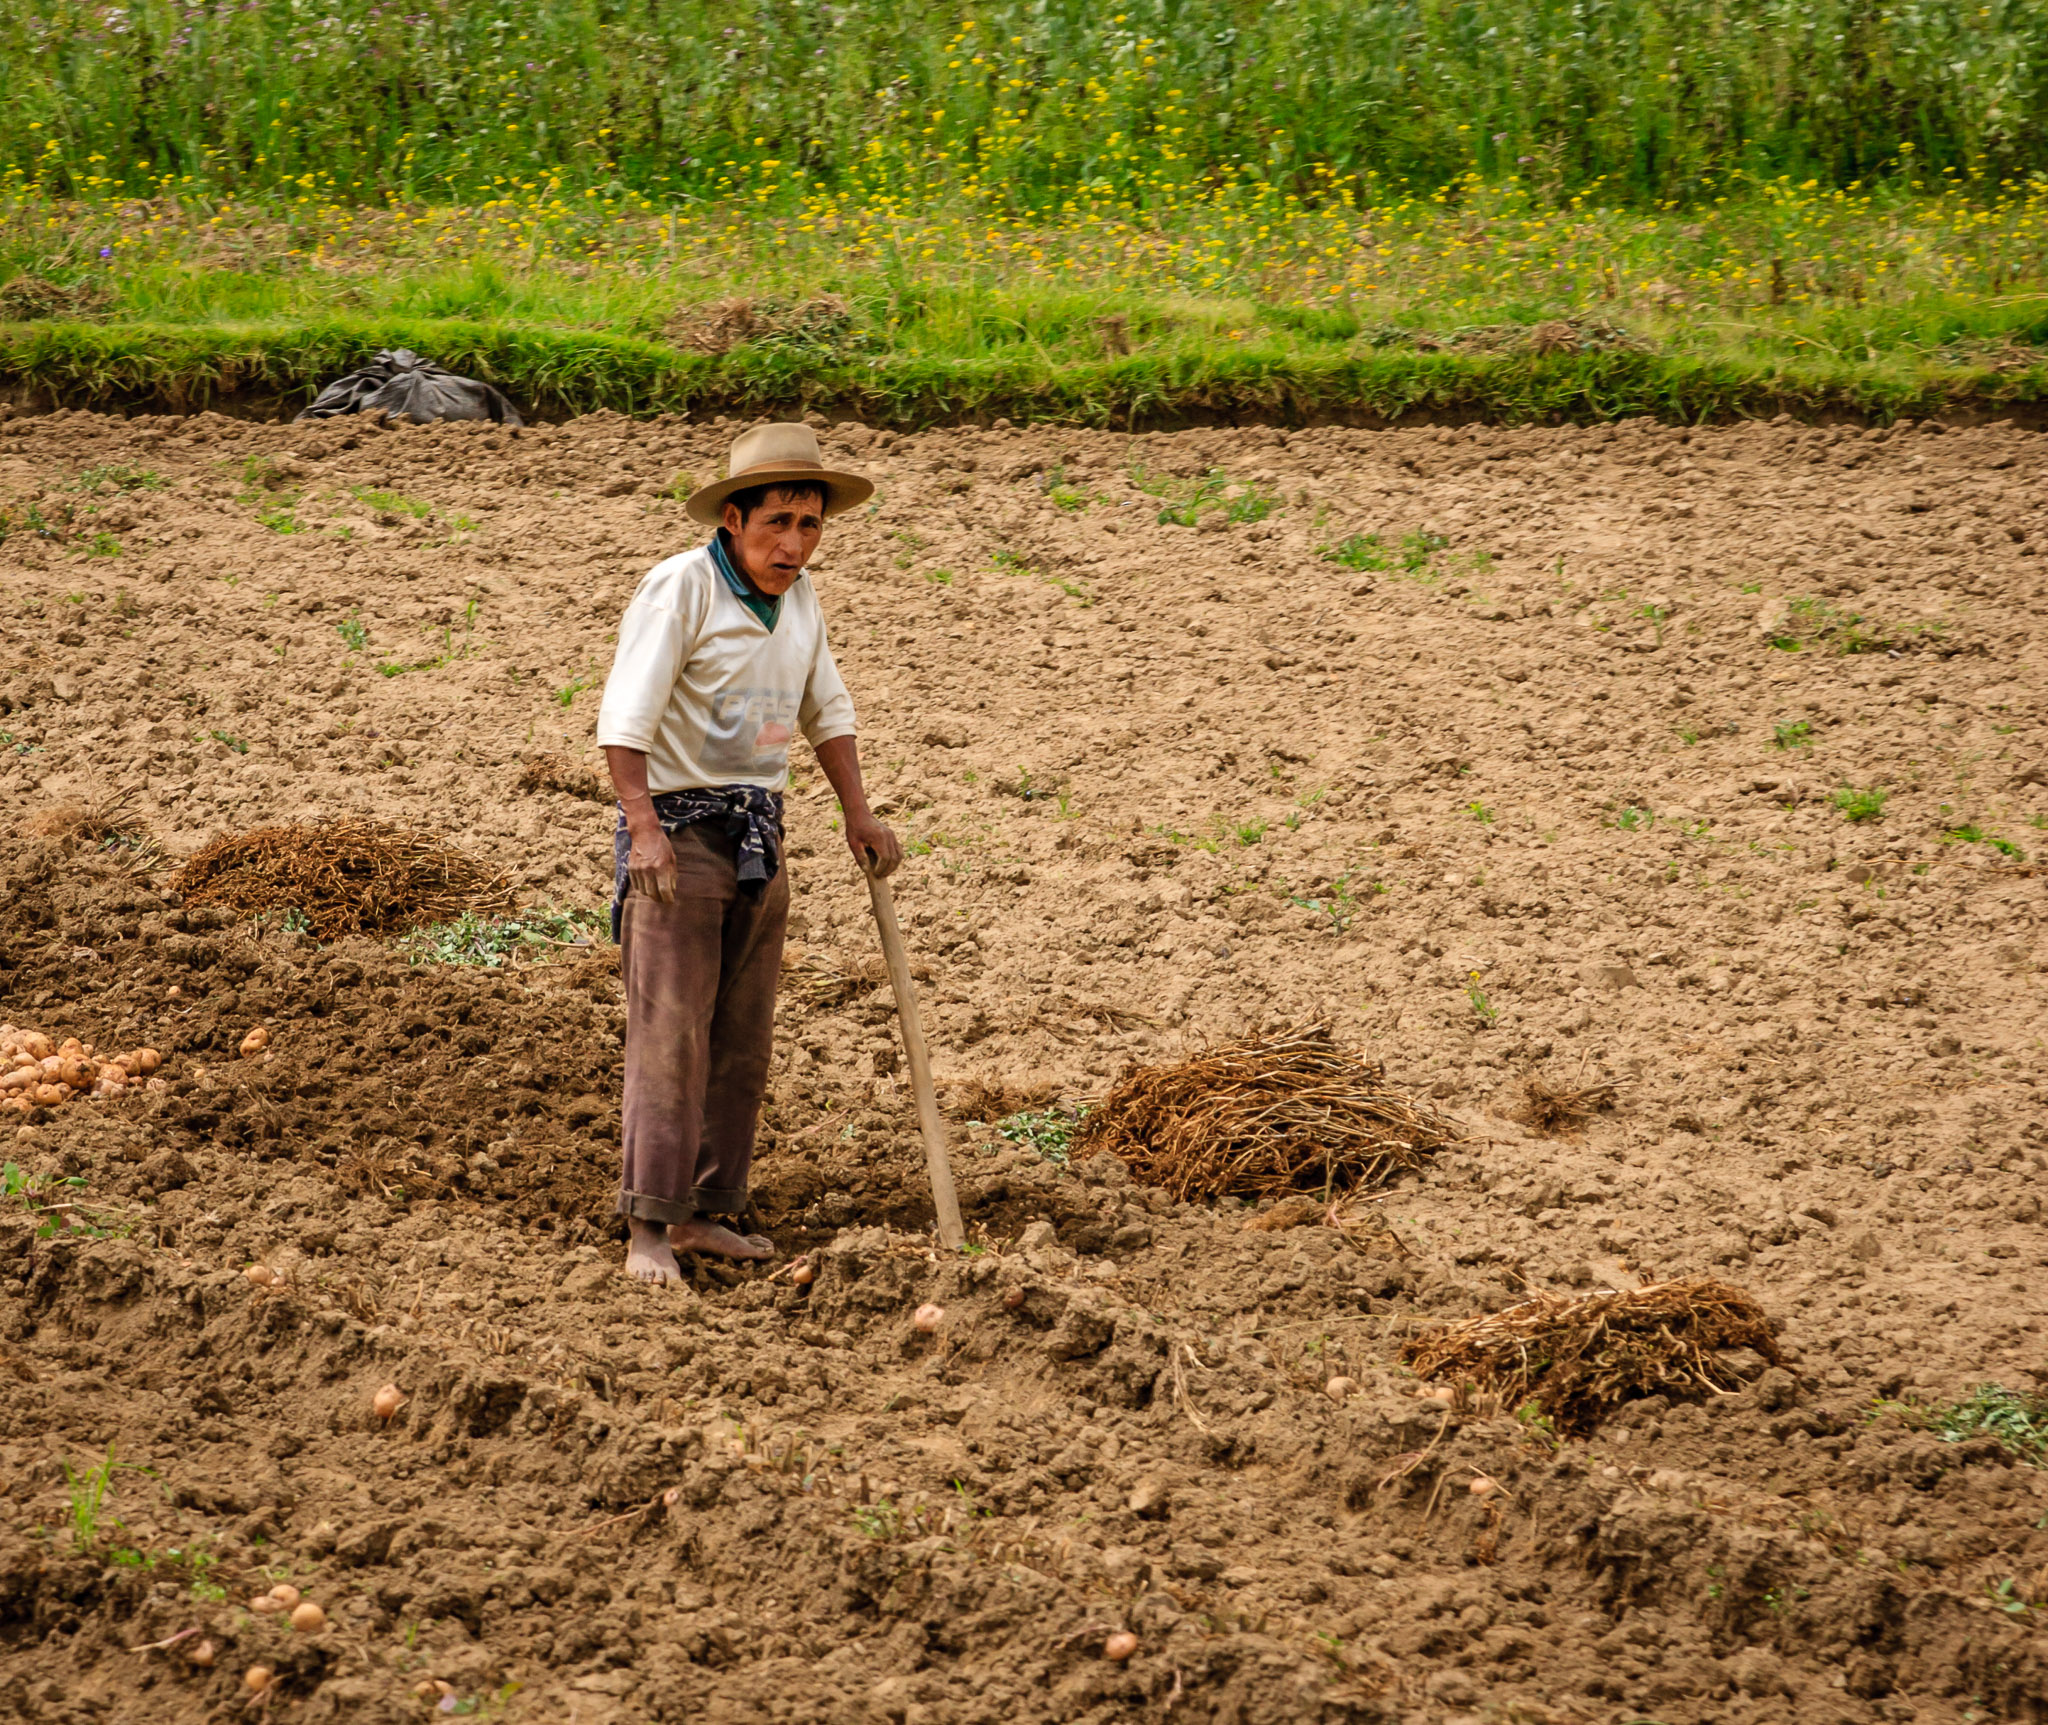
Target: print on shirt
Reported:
[(750, 731)]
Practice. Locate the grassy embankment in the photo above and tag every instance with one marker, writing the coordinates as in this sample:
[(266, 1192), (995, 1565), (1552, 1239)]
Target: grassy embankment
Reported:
[(1033, 215)]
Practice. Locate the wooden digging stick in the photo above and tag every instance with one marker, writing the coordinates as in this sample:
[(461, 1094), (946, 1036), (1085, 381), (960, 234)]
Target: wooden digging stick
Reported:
[(951, 1234)]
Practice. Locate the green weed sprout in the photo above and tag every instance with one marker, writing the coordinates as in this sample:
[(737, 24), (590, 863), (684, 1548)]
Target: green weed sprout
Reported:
[(2019, 1421), (495, 941), (88, 1494), (1864, 805), (1360, 551), (1048, 1133)]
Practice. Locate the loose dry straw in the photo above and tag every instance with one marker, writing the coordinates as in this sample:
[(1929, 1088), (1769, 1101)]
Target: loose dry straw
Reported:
[(1581, 1356), (346, 876), (1290, 1113), (1557, 1110)]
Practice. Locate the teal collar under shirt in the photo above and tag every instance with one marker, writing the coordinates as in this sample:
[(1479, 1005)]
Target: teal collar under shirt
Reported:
[(763, 607)]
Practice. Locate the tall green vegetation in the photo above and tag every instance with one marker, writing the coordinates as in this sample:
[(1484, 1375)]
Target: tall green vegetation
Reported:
[(1043, 100)]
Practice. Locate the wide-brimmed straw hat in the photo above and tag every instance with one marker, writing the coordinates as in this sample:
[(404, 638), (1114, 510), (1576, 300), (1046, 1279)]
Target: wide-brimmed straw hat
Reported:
[(777, 455)]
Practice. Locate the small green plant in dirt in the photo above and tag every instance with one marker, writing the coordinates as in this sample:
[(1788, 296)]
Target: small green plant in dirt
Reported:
[(939, 577), (1480, 813), (276, 513), (2017, 1419), (1972, 834), (495, 941), (1793, 734), (1816, 623), (2006, 1595), (1010, 562), (1336, 902), (58, 1200), (1045, 1132), (912, 544), (229, 742), (1250, 504), (452, 648), (1361, 551), (1633, 819), (1482, 1009), (878, 1520), (566, 695), (98, 481), (1860, 805), (1688, 735), (355, 633), (392, 503), (88, 1490), (1248, 833), (1185, 502), (199, 1565), (1067, 499), (1416, 551)]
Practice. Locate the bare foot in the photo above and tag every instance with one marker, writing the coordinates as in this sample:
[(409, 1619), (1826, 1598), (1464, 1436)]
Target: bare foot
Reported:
[(702, 1235), (648, 1257)]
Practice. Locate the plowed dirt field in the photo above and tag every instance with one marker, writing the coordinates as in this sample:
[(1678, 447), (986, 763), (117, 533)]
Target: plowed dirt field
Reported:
[(1498, 752)]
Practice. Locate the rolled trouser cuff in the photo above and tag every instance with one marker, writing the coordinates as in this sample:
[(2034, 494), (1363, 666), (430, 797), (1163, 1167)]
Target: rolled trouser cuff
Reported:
[(719, 1200), (701, 1201), (666, 1211)]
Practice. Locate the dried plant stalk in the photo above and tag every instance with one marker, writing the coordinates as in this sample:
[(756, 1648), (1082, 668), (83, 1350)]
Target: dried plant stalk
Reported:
[(347, 876), (573, 778), (92, 822), (992, 1100), (824, 982), (1580, 1356), (1289, 1113), (1557, 1111)]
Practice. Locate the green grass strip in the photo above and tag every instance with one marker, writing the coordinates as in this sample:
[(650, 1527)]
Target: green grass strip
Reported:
[(555, 372)]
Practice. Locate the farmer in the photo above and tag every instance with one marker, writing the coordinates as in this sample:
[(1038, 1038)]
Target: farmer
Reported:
[(722, 657)]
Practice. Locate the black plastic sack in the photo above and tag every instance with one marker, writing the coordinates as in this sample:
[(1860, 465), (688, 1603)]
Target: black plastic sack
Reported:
[(406, 386)]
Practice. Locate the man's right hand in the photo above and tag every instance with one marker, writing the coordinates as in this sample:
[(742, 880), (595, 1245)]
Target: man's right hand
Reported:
[(651, 861)]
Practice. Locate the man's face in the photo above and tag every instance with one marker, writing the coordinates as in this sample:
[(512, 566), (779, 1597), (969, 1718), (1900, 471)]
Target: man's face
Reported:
[(776, 541)]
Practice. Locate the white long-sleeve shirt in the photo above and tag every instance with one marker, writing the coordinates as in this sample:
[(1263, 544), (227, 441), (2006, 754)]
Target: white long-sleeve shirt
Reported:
[(710, 694)]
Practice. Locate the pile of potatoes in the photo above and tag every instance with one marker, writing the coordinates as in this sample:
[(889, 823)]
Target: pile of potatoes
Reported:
[(38, 1073)]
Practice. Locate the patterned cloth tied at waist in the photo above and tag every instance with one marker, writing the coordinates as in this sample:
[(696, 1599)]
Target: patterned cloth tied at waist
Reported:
[(745, 812)]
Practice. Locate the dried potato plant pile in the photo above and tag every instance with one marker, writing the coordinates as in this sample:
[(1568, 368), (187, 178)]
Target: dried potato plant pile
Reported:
[(348, 876), (1290, 1113), (1580, 1356)]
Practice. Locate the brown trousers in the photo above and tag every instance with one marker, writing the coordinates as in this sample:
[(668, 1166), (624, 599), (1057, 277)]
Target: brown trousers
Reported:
[(700, 976)]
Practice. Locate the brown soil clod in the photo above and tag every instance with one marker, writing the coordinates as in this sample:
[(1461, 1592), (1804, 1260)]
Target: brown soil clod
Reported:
[(1580, 1356), (1287, 1113), (1557, 1111), (347, 876)]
